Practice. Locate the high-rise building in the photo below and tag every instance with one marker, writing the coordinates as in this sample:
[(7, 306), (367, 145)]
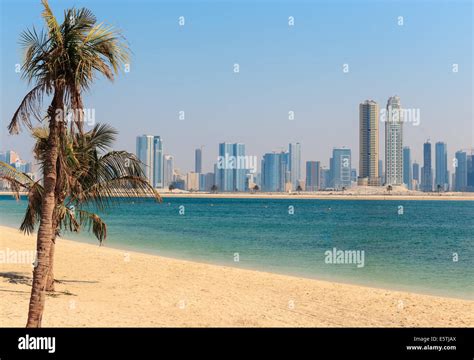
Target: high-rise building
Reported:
[(145, 154), (158, 179), (312, 175), (294, 150), (168, 170), (275, 173), (206, 181), (470, 172), (393, 142), (11, 157), (368, 143), (416, 176), (149, 150), (225, 172), (441, 170), (341, 168), (198, 160), (325, 178), (416, 171), (231, 167), (192, 181), (241, 170), (407, 170), (426, 171), (460, 170)]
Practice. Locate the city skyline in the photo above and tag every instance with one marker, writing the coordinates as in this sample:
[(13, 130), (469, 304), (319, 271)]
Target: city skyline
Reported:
[(286, 91)]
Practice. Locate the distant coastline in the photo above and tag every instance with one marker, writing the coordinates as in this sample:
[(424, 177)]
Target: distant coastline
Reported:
[(320, 195)]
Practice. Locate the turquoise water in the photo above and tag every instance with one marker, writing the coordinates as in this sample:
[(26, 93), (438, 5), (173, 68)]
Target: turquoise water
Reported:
[(412, 251)]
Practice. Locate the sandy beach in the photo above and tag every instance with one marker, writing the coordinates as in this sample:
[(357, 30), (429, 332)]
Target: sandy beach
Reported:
[(100, 286)]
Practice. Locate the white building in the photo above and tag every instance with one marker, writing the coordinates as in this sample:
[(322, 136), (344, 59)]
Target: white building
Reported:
[(168, 173), (394, 142), (192, 181)]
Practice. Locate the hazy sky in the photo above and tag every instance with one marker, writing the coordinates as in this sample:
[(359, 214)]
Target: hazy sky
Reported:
[(283, 68)]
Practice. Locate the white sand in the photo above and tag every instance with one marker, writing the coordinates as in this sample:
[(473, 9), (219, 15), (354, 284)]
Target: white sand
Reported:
[(108, 287)]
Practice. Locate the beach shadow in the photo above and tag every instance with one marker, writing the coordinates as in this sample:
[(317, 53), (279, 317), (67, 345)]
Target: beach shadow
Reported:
[(21, 279), (16, 278), (15, 291)]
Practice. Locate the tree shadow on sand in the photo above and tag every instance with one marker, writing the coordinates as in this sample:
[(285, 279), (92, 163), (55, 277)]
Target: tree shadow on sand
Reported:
[(22, 279)]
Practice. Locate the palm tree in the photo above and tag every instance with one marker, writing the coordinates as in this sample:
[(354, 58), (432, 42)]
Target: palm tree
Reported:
[(299, 188), (214, 188), (171, 187), (389, 189), (90, 179), (256, 188), (61, 63)]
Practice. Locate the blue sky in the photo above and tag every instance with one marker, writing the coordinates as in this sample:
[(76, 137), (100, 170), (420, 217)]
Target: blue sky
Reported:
[(282, 69)]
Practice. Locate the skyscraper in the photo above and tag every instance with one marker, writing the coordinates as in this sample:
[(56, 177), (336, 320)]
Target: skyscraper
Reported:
[(341, 168), (145, 154), (470, 172), (192, 181), (294, 150), (393, 142), (240, 171), (368, 143), (416, 171), (460, 171), (198, 161), (416, 176), (407, 171), (312, 175), (158, 162), (275, 172), (426, 171), (441, 170), (231, 167), (168, 170)]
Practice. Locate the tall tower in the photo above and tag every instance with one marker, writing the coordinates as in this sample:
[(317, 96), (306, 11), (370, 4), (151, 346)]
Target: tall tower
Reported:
[(198, 160), (168, 170), (393, 142), (426, 171), (368, 143), (158, 178), (144, 152), (441, 170), (295, 164), (407, 169), (460, 171)]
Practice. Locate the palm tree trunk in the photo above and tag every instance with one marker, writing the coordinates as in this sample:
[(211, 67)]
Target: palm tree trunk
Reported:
[(59, 200), (45, 231), (50, 281)]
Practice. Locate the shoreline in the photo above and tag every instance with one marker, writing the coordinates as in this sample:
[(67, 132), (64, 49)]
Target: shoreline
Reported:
[(312, 196), (109, 287), (324, 278)]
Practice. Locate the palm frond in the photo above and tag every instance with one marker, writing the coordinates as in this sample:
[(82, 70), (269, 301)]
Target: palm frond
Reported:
[(51, 23), (30, 105), (33, 210)]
